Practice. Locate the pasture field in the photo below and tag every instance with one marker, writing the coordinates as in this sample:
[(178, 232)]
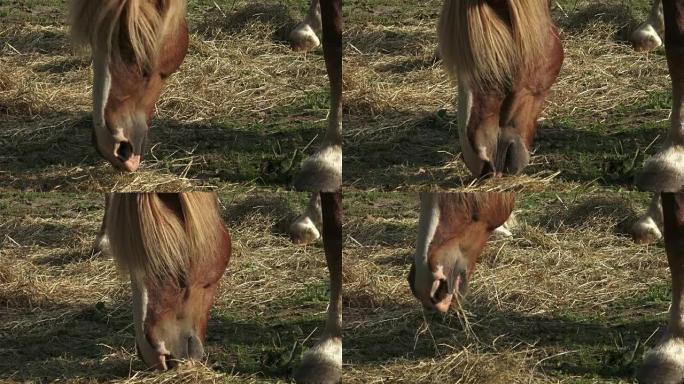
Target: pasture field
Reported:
[(65, 314), (241, 112), (568, 299), (607, 112)]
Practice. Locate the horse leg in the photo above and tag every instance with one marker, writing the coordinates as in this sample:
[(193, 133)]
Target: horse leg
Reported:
[(323, 363), (646, 37), (665, 363), (648, 229), (304, 37), (101, 241), (665, 170), (303, 230), (322, 172)]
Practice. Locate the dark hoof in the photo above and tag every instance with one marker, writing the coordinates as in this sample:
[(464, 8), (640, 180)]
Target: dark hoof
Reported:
[(316, 370)]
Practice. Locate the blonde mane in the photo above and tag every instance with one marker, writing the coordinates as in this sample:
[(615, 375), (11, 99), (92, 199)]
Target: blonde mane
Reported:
[(151, 241), (494, 207), (142, 24), (486, 51)]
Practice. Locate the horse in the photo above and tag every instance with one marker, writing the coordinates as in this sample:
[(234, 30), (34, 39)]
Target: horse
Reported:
[(665, 362), (665, 170), (136, 45), (322, 172), (504, 56), (175, 249), (322, 364), (453, 228)]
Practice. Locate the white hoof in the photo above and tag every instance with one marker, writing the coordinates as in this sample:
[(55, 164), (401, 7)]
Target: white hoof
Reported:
[(303, 38), (501, 233), (100, 245), (505, 231), (304, 231), (663, 364), (645, 38), (646, 231)]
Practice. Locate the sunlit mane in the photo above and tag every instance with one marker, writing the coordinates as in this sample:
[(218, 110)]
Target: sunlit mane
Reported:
[(480, 47), (150, 240), (139, 24), (494, 207)]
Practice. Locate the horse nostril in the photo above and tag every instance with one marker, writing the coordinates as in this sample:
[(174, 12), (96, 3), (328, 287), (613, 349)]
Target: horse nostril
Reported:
[(125, 151), (441, 292), (195, 348), (170, 362)]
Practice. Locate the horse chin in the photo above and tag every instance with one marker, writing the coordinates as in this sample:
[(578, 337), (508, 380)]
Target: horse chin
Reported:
[(475, 165)]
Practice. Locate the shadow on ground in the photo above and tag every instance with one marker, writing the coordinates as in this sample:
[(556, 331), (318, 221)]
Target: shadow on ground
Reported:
[(425, 149), (611, 348)]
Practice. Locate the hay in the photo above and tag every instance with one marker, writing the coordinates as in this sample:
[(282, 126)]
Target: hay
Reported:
[(242, 99), (607, 109), (569, 297), (67, 314)]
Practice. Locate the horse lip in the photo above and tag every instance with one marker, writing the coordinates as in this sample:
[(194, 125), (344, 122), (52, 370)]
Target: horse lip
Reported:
[(130, 165), (458, 283)]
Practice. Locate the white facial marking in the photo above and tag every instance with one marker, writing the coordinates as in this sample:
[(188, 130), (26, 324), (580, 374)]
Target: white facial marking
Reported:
[(465, 104), (102, 81), (140, 301), (427, 225)]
